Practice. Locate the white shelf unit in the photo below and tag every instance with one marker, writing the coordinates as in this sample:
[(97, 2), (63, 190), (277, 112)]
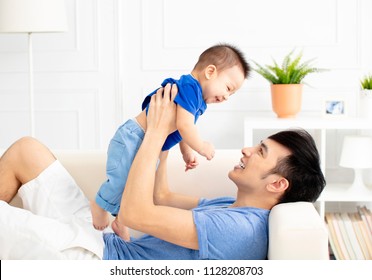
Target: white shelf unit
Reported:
[(320, 125)]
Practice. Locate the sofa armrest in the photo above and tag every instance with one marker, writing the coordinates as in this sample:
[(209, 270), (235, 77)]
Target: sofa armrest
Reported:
[(296, 231)]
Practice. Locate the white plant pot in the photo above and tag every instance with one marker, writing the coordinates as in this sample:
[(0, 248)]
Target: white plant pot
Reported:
[(365, 104)]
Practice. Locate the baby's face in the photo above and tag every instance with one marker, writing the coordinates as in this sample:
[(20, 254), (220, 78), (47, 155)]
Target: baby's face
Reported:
[(219, 88)]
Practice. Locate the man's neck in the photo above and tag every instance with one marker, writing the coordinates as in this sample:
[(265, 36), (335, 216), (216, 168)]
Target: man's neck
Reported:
[(245, 200)]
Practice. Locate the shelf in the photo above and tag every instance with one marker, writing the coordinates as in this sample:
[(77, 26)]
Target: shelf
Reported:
[(343, 193), (254, 122)]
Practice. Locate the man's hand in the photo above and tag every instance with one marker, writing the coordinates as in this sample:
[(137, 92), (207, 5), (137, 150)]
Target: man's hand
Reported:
[(161, 117)]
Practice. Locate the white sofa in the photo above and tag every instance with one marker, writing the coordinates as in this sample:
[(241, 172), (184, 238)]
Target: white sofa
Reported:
[(296, 230)]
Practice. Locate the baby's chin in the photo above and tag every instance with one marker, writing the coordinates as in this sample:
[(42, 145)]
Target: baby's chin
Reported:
[(214, 101)]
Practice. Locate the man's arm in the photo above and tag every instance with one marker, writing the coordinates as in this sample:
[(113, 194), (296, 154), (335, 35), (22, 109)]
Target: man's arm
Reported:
[(138, 210), (162, 193)]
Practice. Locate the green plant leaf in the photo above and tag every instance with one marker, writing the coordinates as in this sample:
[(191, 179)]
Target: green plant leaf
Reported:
[(291, 71), (366, 82)]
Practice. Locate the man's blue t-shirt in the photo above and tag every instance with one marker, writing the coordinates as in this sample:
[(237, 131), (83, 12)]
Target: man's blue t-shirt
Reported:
[(189, 97), (223, 233)]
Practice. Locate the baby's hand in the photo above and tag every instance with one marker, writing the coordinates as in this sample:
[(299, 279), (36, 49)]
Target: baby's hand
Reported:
[(191, 160), (207, 150)]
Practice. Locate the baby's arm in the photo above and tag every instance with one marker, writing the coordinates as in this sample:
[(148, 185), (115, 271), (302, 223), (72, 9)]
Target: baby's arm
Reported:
[(188, 156), (190, 134)]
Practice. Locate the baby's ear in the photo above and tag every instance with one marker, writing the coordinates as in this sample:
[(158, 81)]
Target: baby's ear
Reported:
[(210, 71)]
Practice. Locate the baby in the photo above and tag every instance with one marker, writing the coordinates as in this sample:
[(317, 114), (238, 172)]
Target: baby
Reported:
[(219, 73)]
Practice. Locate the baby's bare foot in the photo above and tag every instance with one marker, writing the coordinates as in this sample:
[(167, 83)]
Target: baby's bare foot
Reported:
[(101, 218), (120, 230)]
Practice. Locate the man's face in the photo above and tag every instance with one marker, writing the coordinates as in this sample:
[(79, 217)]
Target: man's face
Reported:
[(257, 162)]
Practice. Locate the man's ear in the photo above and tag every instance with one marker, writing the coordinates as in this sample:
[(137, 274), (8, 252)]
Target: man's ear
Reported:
[(210, 71), (279, 185)]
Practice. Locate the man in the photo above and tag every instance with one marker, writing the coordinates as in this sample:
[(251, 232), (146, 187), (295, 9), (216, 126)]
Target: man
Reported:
[(283, 168)]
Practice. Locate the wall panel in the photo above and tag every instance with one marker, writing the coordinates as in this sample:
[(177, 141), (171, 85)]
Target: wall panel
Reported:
[(93, 77), (74, 80), (173, 34)]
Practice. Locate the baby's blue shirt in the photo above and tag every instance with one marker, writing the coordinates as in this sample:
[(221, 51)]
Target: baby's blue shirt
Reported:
[(189, 97)]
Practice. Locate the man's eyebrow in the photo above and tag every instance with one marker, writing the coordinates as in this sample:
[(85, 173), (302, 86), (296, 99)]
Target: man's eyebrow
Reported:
[(264, 146)]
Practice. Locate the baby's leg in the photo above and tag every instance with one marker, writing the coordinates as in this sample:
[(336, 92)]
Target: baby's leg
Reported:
[(121, 152), (100, 217)]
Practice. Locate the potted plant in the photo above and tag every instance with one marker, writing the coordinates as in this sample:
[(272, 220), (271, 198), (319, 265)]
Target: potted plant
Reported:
[(365, 101), (287, 83)]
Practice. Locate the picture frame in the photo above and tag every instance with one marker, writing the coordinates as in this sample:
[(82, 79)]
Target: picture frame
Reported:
[(335, 107)]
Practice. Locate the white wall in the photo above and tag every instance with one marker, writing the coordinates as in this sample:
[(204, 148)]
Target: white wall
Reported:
[(92, 78)]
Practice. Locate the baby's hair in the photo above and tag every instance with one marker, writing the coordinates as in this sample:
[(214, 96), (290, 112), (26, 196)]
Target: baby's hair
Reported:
[(223, 56)]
